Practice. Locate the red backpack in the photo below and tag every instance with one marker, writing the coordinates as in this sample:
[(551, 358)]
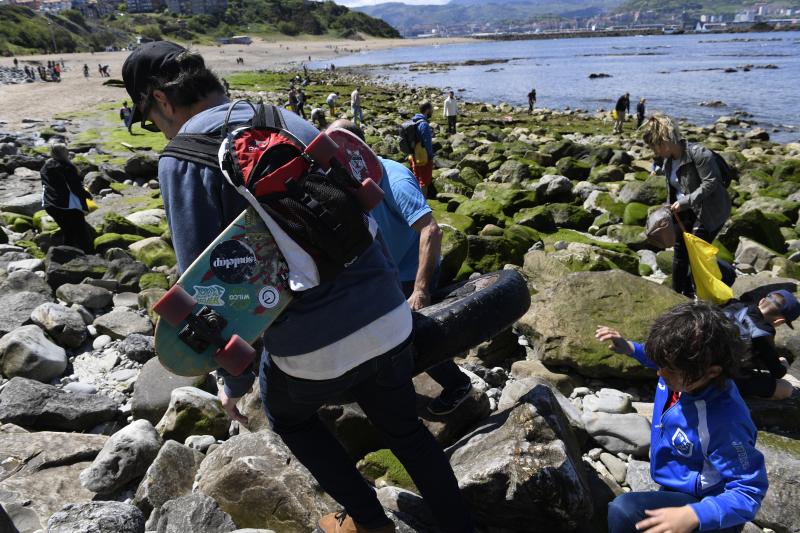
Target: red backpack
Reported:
[(318, 202)]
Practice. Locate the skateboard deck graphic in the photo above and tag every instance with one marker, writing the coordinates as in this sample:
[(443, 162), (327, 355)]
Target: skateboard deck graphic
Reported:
[(241, 276)]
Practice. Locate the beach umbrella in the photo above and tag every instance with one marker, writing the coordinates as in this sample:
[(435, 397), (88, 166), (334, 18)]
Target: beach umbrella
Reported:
[(705, 269)]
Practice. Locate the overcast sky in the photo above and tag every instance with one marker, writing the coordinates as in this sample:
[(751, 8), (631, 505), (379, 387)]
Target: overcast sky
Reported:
[(358, 3)]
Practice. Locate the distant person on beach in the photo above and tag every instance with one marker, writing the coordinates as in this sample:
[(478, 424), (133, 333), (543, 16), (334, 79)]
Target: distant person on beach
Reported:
[(125, 115), (622, 108), (293, 99), (531, 100), (695, 191), (86, 71), (64, 198), (355, 106), (318, 117), (451, 111), (331, 101), (422, 158), (331, 342), (16, 63), (414, 240), (640, 112), (703, 455), (301, 103)]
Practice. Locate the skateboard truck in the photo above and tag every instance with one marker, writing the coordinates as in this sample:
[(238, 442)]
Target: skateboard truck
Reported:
[(203, 329)]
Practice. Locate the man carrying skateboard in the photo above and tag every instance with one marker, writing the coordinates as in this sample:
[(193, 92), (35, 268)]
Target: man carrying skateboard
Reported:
[(414, 240), (330, 341)]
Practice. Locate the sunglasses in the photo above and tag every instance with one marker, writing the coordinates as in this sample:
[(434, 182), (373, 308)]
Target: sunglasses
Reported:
[(145, 125)]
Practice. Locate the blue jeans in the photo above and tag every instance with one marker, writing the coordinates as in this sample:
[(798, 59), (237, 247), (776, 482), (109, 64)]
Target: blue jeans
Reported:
[(383, 388), (628, 509), (358, 114)]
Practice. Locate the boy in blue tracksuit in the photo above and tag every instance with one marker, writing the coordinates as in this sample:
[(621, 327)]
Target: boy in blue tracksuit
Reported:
[(702, 442)]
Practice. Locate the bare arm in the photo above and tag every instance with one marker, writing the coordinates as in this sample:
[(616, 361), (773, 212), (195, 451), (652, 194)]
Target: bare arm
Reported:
[(430, 248)]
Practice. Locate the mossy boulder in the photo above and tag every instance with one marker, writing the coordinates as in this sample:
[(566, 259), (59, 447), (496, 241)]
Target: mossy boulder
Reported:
[(664, 261), (606, 173), (566, 148), (652, 191), (604, 202), (631, 236), (114, 240), (755, 225), (483, 211), (512, 172), (44, 222), (574, 169), (114, 223), (193, 411), (470, 177), (153, 280), (539, 218), (490, 253), (562, 319), (772, 206), (454, 252), (635, 214), (510, 195), (383, 466), (787, 170), (580, 257), (477, 163), (570, 216), (153, 252), (645, 269), (462, 223)]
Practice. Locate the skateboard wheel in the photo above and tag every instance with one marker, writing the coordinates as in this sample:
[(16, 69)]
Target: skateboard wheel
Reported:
[(322, 149), (175, 305), (236, 356), (369, 194)]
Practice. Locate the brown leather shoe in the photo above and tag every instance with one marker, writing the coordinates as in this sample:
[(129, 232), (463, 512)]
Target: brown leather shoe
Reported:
[(341, 523)]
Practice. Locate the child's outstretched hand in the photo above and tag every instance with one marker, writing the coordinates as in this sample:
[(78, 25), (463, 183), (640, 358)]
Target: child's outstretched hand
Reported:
[(618, 342), (669, 520)]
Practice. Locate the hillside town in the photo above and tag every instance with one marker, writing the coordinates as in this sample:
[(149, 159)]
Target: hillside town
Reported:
[(99, 8)]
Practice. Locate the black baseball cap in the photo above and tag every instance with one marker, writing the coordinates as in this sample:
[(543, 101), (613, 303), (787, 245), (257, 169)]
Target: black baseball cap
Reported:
[(144, 63)]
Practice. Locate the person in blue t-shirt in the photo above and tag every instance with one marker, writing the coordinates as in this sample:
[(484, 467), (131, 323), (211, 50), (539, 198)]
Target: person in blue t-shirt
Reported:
[(414, 240), (702, 443)]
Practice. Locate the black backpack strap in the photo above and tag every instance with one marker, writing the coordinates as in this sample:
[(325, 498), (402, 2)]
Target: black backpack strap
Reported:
[(268, 116), (202, 149)]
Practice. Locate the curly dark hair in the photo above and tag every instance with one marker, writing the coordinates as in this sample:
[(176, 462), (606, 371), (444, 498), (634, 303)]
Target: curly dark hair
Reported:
[(692, 337), (185, 80)]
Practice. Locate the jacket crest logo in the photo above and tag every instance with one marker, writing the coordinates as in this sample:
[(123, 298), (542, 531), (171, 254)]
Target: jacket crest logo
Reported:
[(681, 443)]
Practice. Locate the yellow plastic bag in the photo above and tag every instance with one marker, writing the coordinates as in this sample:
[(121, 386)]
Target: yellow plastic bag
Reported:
[(614, 114), (420, 154), (705, 271), (91, 204)]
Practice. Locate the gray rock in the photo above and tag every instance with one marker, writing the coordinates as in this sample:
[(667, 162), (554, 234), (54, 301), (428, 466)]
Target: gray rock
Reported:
[(85, 295), (193, 411), (749, 252), (24, 205), (32, 404), (638, 477), (126, 271), (75, 269), (148, 217), (201, 443), (142, 166), (780, 509), (17, 308), (137, 348), (24, 281), (194, 512), (628, 433), (616, 466), (82, 388), (38, 451), (153, 389), (552, 187), (126, 299), (170, 476), (608, 401), (408, 507), (120, 323), (281, 494), (126, 456), (31, 265), (653, 191), (520, 470), (97, 517), (28, 353), (101, 342), (65, 325), (16, 518)]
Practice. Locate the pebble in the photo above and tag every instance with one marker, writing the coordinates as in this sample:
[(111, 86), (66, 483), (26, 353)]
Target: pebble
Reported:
[(123, 375), (100, 342), (82, 388), (594, 453), (578, 392)]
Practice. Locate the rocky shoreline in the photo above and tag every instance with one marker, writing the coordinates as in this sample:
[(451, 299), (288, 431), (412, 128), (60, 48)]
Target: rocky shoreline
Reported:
[(97, 436)]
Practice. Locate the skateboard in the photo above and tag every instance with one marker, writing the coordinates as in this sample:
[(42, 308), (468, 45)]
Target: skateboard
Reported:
[(239, 285)]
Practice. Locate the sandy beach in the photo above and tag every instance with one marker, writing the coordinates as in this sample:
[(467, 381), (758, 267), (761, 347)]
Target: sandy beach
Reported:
[(44, 101)]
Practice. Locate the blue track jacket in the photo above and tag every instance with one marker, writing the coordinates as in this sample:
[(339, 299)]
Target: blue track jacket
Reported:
[(704, 445), (425, 133)]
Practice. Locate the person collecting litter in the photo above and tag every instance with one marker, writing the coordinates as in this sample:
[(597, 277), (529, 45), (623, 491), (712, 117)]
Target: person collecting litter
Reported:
[(64, 198), (328, 342), (695, 191), (702, 442), (414, 240)]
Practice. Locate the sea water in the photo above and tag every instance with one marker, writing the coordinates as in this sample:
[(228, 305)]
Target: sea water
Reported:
[(675, 73)]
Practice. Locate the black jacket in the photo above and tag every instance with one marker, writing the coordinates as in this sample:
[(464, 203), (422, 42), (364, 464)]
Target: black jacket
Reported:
[(58, 180), (623, 104)]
